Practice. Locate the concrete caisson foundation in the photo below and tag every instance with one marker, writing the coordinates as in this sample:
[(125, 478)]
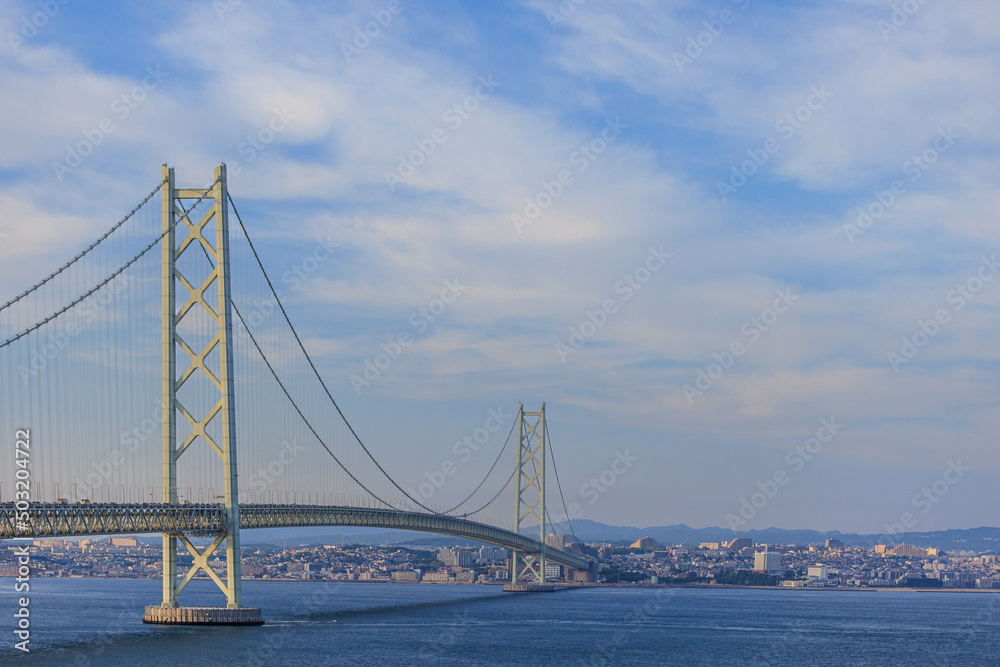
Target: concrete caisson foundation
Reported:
[(528, 588), (202, 616)]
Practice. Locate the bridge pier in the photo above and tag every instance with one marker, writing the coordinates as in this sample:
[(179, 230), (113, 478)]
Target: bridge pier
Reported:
[(158, 615), (529, 588)]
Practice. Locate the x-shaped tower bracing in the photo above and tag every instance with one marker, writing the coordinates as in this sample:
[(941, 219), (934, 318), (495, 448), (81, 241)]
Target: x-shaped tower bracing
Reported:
[(530, 491), (207, 235)]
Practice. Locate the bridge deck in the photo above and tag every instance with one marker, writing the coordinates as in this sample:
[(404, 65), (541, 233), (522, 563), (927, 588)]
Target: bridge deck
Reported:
[(116, 519)]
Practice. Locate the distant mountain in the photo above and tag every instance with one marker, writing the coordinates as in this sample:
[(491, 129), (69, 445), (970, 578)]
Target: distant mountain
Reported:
[(971, 539)]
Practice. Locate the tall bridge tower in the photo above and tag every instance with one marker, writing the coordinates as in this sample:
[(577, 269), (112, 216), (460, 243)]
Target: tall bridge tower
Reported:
[(209, 299)]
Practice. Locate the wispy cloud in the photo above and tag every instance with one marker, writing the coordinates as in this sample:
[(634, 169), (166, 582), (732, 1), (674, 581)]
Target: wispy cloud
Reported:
[(350, 119)]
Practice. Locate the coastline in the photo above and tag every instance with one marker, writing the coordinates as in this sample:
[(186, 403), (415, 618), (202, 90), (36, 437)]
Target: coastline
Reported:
[(572, 586)]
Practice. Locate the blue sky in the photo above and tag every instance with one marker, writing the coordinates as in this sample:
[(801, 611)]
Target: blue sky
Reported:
[(871, 91)]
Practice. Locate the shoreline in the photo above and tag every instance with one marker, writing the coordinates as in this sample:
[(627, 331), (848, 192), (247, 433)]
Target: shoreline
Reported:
[(566, 586)]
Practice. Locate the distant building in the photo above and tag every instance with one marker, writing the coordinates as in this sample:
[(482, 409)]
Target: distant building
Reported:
[(834, 543), (493, 554), (739, 543), (714, 546), (767, 561), (880, 548), (908, 551), (553, 571), (555, 541), (411, 576), (644, 543), (818, 571), (456, 557), (123, 541)]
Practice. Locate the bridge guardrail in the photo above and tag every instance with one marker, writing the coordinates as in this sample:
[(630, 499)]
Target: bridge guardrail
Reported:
[(57, 520)]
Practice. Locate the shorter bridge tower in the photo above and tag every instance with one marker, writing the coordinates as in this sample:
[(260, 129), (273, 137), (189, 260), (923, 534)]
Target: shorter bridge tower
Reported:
[(528, 570)]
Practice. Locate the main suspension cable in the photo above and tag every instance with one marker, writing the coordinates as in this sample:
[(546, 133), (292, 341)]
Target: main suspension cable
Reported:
[(302, 347), (555, 469), (502, 489), (495, 462), (306, 421), (84, 252), (121, 269)]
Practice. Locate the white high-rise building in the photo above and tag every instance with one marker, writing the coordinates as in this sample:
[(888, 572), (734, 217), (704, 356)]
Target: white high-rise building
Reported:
[(456, 557), (767, 561), (818, 571)]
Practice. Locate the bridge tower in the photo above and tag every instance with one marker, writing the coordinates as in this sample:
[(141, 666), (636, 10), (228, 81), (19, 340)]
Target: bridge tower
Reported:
[(207, 238), (528, 574)]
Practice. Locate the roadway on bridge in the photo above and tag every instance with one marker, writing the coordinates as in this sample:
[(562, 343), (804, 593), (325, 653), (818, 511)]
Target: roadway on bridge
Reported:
[(55, 520)]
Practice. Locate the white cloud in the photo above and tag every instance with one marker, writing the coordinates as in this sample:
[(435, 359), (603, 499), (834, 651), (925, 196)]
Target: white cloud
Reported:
[(324, 174)]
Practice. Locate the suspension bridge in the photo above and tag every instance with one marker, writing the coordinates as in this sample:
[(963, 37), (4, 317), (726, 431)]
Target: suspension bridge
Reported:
[(142, 376)]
